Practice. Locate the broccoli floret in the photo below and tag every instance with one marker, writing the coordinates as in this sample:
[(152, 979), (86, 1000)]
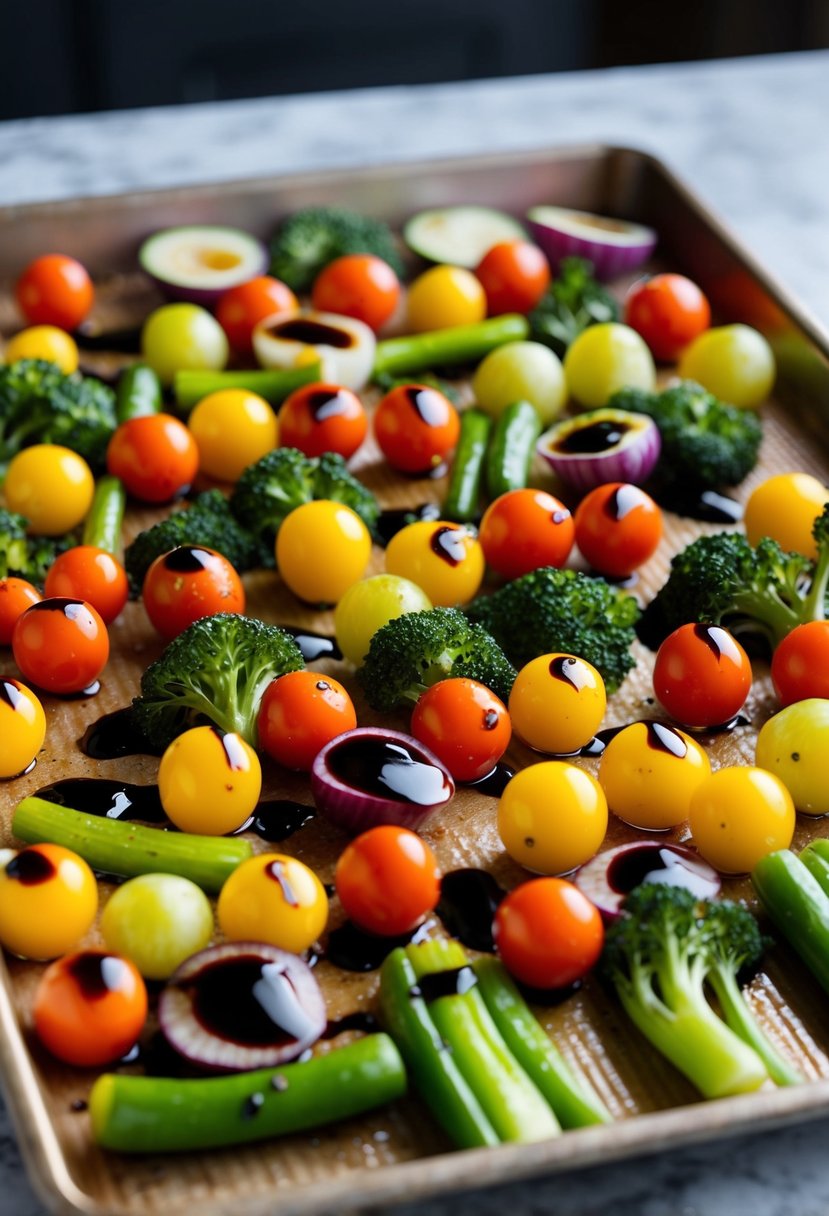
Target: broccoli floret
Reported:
[(39, 404), (705, 443), (416, 650), (24, 556), (757, 592), (311, 238), (284, 479), (658, 956), (573, 302), (553, 610), (216, 671), (208, 521)]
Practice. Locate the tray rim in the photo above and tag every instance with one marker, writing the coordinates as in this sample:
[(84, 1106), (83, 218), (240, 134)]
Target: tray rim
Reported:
[(457, 1170)]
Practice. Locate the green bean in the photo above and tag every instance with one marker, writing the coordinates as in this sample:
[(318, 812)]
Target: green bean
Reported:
[(511, 448), (440, 347), (464, 492), (274, 384)]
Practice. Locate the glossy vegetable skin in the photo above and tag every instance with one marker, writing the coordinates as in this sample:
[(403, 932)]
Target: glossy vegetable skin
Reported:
[(90, 1007), (548, 933), (669, 311), (155, 456), (465, 725), (187, 584), (416, 428), (387, 880), (511, 448), (358, 285), (55, 290), (48, 901), (466, 476), (617, 528), (301, 712), (515, 275), (61, 645), (323, 418), (798, 904), (523, 530), (702, 675), (440, 347)]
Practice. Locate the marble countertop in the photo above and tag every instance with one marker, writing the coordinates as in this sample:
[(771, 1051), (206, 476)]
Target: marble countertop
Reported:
[(750, 136)]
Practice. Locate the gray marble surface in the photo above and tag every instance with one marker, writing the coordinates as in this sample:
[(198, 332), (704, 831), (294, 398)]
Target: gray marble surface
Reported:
[(751, 137)]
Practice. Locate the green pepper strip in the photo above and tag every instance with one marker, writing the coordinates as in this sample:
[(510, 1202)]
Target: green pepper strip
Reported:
[(116, 847), (510, 1100), (138, 393), (440, 347), (795, 901), (815, 858), (511, 449), (574, 1103), (464, 492), (103, 524), (164, 1114), (274, 384)]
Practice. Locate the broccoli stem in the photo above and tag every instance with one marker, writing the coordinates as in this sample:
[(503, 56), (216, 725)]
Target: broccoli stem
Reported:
[(273, 384), (741, 1020), (457, 344), (165, 1114), (814, 603), (769, 611), (102, 527)]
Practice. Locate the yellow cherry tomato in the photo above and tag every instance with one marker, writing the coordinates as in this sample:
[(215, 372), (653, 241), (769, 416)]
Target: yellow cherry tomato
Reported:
[(369, 605), (557, 703), (44, 342), (322, 548), (232, 429), (552, 817), (445, 296), (794, 745), (785, 508), (22, 727), (48, 901), (605, 358), (739, 815), (444, 559), (209, 781), (52, 486), (649, 773), (734, 362), (276, 899)]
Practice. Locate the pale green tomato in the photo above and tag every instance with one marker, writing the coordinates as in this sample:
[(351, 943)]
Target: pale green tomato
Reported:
[(521, 371), (157, 921), (605, 358), (734, 362), (369, 605), (183, 336), (794, 745)]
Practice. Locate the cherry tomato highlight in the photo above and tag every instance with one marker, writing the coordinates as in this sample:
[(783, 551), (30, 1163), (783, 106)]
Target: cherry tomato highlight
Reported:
[(557, 703), (301, 712), (465, 725), (188, 583), (22, 727), (617, 528), (155, 456), (702, 675), (358, 285), (55, 290), (416, 427), (90, 1007), (321, 418), (241, 308), (668, 311), (91, 574), (387, 880), (445, 296), (209, 782), (232, 429), (548, 933), (514, 276), (51, 486), (322, 548), (523, 530), (444, 559), (61, 645), (276, 899)]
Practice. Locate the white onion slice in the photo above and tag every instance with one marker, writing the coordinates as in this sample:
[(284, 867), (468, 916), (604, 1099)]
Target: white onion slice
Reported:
[(343, 346), (613, 246)]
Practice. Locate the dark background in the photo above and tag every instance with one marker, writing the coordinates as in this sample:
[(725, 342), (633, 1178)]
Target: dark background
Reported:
[(69, 56)]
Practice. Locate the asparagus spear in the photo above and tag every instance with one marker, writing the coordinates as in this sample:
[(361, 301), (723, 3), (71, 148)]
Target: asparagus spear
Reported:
[(439, 347)]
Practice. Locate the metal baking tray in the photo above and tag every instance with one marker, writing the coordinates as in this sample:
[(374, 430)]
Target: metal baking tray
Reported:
[(397, 1155)]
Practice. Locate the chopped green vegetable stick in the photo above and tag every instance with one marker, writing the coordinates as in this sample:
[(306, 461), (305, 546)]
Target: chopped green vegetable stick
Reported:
[(138, 393), (512, 1103), (815, 858), (433, 1069), (573, 1102), (113, 846), (103, 524), (464, 492), (796, 903), (439, 347), (274, 384), (511, 449), (164, 1114)]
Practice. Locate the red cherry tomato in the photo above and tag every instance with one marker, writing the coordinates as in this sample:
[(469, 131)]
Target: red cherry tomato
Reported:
[(16, 595), (465, 725), (668, 311), (525, 529), (800, 664), (188, 583), (61, 645), (416, 428), (55, 290), (155, 456), (321, 418), (702, 675), (514, 275), (90, 1007), (241, 308), (358, 285), (92, 574), (548, 933), (618, 527), (300, 713), (387, 880)]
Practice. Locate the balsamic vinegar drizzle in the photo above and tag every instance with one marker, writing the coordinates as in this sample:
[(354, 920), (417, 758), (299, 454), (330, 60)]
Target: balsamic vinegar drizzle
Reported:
[(250, 1001), (108, 799), (353, 949), (449, 544), (469, 900), (114, 735), (327, 403), (187, 559), (393, 519), (596, 437), (494, 783), (427, 404), (30, 867), (445, 983), (313, 645), (97, 973), (660, 863), (572, 670), (622, 501), (388, 769)]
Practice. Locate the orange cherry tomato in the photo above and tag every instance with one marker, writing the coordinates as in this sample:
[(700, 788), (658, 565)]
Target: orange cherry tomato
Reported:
[(55, 290), (548, 933), (618, 527), (514, 275), (464, 724), (155, 456), (321, 418), (524, 529), (61, 645), (668, 311), (387, 880), (702, 675), (358, 285), (90, 1007), (92, 574), (299, 714), (188, 583), (800, 664), (416, 428), (241, 308), (16, 595)]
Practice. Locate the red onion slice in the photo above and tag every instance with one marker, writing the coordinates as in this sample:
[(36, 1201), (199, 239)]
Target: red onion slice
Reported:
[(608, 878), (613, 246), (628, 448)]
